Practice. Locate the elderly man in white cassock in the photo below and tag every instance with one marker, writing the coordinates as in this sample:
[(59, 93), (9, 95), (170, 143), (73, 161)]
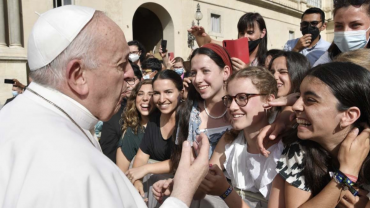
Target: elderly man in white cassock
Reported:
[(49, 156)]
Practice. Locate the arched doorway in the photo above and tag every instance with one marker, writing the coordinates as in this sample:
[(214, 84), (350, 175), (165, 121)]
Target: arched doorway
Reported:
[(152, 23)]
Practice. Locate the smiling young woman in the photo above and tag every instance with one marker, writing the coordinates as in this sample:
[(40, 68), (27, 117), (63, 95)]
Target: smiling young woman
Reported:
[(333, 106)]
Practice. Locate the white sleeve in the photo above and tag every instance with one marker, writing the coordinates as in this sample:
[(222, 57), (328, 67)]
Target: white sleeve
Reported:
[(173, 202)]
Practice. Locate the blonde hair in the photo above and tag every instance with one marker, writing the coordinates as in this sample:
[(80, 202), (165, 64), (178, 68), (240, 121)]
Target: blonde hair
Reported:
[(360, 57)]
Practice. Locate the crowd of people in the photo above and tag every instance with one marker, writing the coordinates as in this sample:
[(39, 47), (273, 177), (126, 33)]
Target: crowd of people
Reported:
[(288, 129)]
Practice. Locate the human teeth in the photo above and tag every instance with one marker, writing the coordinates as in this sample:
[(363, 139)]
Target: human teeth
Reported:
[(202, 88), (144, 106), (303, 122), (237, 116), (279, 85)]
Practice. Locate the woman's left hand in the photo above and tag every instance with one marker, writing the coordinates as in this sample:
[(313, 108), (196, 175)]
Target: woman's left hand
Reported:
[(353, 151), (215, 182), (238, 64), (350, 201), (134, 174)]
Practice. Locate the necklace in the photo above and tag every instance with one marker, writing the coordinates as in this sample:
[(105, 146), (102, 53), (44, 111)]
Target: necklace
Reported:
[(214, 117), (59, 108)]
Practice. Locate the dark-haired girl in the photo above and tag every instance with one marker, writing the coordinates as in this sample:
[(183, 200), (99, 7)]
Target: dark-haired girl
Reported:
[(250, 25), (157, 141), (289, 69), (334, 105)]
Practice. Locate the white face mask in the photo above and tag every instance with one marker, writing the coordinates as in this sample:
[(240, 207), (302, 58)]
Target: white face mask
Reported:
[(350, 40), (15, 93), (146, 76), (133, 57)]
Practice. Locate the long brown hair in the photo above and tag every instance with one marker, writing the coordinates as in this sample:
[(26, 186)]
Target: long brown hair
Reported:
[(131, 116)]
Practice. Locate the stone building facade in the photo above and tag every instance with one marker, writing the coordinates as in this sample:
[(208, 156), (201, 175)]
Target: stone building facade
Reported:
[(150, 22)]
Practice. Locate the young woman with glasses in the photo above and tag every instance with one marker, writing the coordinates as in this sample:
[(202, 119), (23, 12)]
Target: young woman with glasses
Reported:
[(251, 174)]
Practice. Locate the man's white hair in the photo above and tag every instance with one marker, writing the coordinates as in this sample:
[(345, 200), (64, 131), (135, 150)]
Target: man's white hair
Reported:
[(83, 47)]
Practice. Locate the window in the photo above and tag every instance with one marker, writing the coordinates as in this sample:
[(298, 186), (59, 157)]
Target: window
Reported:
[(58, 3), (215, 23), (314, 3), (291, 35)]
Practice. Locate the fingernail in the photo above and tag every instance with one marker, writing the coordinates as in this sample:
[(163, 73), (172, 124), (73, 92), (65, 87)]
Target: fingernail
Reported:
[(356, 131), (210, 165)]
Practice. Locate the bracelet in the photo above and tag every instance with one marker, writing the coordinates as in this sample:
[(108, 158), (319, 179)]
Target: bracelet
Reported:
[(352, 177), (227, 192), (343, 180)]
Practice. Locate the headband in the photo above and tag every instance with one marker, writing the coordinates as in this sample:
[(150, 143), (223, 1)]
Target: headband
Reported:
[(221, 52)]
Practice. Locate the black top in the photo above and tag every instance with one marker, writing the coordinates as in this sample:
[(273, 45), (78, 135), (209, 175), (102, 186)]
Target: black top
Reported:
[(130, 142), (153, 143), (111, 133)]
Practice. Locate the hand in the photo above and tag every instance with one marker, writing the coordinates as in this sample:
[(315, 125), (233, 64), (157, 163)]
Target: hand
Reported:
[(140, 188), (288, 100), (162, 188), (170, 63), (134, 174), (191, 171), (303, 43), (18, 84), (215, 182), (272, 131), (238, 64), (162, 53), (350, 201), (200, 35), (353, 151)]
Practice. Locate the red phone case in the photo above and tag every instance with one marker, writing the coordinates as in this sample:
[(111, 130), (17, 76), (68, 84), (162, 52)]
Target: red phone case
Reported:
[(237, 48), (171, 55)]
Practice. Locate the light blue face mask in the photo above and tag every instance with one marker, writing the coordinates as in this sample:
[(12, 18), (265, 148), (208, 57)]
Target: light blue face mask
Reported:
[(146, 76), (350, 40), (15, 93), (179, 71)]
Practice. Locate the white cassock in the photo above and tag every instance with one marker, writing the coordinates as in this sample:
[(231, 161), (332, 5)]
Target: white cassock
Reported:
[(47, 161)]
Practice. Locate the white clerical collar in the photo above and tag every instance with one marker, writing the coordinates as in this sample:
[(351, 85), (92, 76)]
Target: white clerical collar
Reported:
[(78, 112)]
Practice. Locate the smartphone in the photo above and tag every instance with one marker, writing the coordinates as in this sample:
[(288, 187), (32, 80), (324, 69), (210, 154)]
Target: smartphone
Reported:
[(171, 56), (164, 46), (8, 81)]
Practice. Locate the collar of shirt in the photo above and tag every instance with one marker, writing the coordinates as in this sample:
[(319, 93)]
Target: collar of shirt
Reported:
[(75, 110)]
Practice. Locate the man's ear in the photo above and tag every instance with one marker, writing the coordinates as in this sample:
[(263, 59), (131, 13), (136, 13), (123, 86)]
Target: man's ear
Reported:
[(77, 77), (270, 98), (323, 27), (350, 116)]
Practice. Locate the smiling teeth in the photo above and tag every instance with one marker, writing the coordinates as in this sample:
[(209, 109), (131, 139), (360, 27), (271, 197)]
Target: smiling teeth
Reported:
[(279, 85), (202, 88), (144, 106), (303, 122), (237, 116)]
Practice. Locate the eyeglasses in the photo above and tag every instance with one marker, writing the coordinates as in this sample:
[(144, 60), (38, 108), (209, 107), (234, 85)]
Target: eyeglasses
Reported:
[(131, 81), (312, 23), (241, 99), (339, 3)]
